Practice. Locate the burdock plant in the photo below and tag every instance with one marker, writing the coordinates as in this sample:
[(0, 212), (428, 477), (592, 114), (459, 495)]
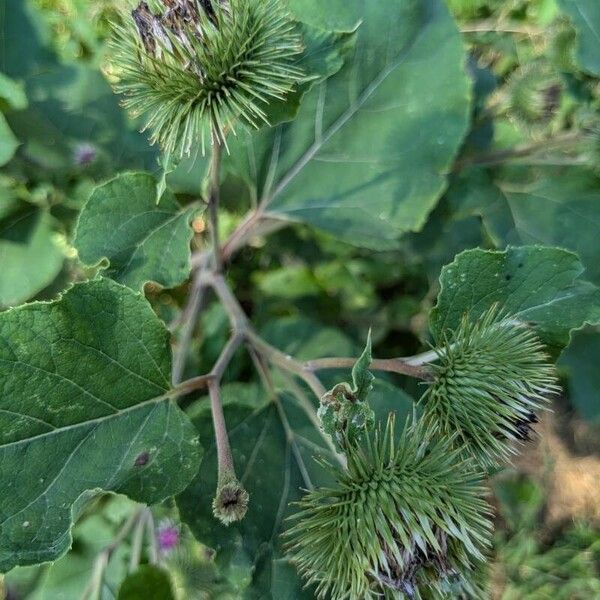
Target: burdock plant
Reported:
[(406, 516), (492, 377), (192, 68)]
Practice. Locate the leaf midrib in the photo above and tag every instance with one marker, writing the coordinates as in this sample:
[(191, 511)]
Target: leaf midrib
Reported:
[(120, 412), (322, 139)]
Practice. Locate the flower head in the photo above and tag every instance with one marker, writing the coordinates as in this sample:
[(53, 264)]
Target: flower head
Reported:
[(168, 536), (192, 67), (406, 516), (492, 377)]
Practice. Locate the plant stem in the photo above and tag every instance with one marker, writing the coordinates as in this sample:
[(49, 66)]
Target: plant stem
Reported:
[(93, 590), (137, 541), (390, 365), (213, 202), (188, 324), (224, 456), (500, 27), (237, 316), (500, 156), (285, 362)]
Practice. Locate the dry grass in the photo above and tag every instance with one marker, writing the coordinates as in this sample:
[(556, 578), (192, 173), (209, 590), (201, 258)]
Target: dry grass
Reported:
[(572, 482)]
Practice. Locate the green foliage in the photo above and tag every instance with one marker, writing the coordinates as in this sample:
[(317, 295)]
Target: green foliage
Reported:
[(147, 583), (581, 360), (27, 238), (405, 515), (395, 142), (364, 157), (585, 15), (85, 406), (535, 284), (142, 240), (492, 378), (535, 564)]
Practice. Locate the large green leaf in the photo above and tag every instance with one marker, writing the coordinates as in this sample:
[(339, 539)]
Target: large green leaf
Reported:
[(585, 15), (582, 358), (83, 407), (141, 239), (560, 210), (366, 156), (66, 578), (550, 207), (8, 142), (535, 283), (338, 15), (29, 257)]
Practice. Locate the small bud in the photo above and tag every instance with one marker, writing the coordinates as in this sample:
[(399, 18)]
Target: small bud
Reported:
[(230, 503), (492, 377), (344, 413)]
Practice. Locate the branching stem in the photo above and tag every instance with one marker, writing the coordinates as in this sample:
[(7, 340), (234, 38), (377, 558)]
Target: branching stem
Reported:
[(93, 590), (391, 365)]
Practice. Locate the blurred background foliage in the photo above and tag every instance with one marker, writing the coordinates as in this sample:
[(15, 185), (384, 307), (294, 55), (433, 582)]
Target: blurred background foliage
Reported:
[(534, 140)]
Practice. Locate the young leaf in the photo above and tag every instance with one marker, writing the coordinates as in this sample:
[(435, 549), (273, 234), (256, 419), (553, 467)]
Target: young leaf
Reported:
[(364, 160), (83, 407), (29, 257), (537, 284), (361, 376), (142, 240), (344, 412)]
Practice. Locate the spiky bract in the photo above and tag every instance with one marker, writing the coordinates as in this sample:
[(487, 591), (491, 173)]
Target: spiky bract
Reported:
[(534, 95), (405, 516), (199, 67), (492, 377)]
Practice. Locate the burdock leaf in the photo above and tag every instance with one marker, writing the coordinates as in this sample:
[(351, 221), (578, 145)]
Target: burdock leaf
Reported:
[(366, 156), (83, 407), (537, 284), (142, 240), (585, 15), (361, 376)]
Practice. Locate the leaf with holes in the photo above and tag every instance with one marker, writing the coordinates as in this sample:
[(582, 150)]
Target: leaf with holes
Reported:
[(84, 406), (142, 240), (535, 283), (366, 156)]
